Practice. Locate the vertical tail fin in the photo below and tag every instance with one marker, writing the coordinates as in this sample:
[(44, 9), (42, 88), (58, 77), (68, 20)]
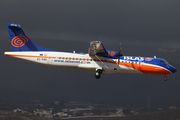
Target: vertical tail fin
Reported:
[(19, 41)]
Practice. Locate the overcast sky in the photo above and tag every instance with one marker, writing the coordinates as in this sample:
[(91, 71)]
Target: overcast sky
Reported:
[(145, 28)]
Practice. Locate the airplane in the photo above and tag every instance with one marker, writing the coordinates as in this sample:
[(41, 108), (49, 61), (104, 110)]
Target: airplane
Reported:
[(98, 60)]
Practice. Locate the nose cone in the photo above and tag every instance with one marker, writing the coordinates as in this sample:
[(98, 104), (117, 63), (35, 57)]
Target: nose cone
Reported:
[(173, 69)]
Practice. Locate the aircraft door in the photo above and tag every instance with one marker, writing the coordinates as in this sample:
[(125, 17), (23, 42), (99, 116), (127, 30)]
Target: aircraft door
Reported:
[(139, 63), (49, 61)]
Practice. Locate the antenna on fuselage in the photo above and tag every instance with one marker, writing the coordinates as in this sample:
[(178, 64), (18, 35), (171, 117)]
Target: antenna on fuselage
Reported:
[(154, 56)]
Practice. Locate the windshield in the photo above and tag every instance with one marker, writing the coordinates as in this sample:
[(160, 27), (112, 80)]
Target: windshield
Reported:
[(164, 62)]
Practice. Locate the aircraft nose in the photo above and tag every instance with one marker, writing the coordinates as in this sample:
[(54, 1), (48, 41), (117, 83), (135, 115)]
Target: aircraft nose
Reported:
[(173, 69)]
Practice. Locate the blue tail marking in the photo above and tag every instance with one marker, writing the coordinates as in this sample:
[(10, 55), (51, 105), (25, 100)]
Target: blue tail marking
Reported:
[(19, 41)]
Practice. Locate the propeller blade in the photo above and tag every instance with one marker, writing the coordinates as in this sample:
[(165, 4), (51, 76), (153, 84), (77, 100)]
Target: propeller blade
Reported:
[(120, 49), (119, 52)]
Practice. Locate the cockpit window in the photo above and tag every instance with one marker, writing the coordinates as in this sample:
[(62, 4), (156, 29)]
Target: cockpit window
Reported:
[(164, 62)]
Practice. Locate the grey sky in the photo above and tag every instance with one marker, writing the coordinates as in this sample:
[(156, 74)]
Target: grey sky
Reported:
[(145, 28)]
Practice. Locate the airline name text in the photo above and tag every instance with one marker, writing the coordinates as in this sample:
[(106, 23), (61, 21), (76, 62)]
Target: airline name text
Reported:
[(133, 58)]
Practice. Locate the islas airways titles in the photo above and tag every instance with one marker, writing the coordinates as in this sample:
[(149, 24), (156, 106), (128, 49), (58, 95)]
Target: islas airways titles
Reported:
[(98, 60)]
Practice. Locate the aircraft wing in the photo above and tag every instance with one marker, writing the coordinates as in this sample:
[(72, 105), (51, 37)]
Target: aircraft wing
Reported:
[(96, 47)]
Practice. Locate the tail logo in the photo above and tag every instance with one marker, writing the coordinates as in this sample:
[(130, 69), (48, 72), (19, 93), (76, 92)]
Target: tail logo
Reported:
[(148, 59), (19, 41)]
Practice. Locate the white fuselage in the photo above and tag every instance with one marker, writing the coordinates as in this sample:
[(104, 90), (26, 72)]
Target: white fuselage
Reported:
[(75, 61)]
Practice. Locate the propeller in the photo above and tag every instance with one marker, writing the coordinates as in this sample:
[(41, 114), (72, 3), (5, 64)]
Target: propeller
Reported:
[(119, 52)]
